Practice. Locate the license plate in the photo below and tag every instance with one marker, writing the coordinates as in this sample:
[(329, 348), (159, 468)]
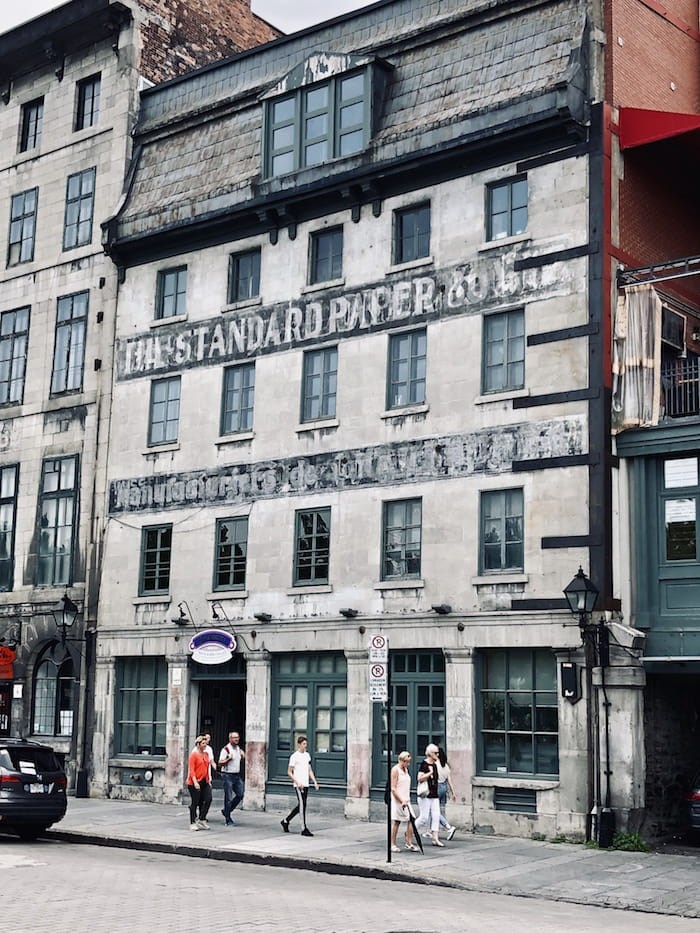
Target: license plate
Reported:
[(37, 789)]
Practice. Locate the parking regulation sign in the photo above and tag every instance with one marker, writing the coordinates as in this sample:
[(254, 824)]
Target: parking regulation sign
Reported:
[(378, 669)]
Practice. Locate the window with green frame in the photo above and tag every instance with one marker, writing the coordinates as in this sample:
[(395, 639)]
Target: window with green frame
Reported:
[(313, 546), (502, 530), (506, 208), (401, 545), (319, 384), (310, 697), (406, 370), (517, 712), (417, 709), (319, 122), (503, 351), (156, 553), (141, 706)]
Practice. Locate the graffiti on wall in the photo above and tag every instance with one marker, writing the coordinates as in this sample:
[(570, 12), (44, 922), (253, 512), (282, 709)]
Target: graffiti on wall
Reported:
[(490, 451), (489, 281)]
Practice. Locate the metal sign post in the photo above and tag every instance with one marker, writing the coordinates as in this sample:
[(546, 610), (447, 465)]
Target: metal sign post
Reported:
[(379, 691)]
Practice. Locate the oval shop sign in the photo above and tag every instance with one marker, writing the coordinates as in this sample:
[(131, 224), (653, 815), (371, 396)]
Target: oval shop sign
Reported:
[(213, 646)]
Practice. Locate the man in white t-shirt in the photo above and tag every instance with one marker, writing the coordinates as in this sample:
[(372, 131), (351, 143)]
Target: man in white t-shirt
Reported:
[(230, 767), (301, 772)]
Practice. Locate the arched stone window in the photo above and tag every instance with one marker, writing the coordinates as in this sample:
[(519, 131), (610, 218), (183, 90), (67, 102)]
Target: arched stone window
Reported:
[(52, 710)]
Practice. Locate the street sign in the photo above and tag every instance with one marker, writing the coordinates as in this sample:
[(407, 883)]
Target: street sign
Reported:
[(379, 668), (378, 648)]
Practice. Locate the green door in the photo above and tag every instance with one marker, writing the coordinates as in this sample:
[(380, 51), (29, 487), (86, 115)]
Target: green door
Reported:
[(417, 693)]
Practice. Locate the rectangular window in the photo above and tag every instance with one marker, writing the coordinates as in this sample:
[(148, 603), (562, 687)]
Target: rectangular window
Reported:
[(164, 411), (680, 507), (502, 530), (506, 208), (519, 726), (504, 351), (156, 546), (407, 367), (31, 122), (8, 515), (14, 335), (57, 516), (312, 551), (171, 292), (69, 351), (320, 382), (238, 398), (23, 210), (141, 706), (412, 234), (317, 123), (244, 276), (310, 697), (401, 545), (88, 102), (231, 553), (326, 259), (80, 203)]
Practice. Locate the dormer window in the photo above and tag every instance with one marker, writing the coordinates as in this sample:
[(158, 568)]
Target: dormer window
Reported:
[(319, 121)]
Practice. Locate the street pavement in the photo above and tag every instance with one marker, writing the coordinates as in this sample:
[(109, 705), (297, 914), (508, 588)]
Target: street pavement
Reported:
[(648, 882)]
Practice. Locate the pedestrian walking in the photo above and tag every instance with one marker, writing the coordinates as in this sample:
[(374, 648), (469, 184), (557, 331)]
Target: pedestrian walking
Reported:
[(230, 760), (199, 784), (428, 798), (400, 785), (301, 772), (445, 789)]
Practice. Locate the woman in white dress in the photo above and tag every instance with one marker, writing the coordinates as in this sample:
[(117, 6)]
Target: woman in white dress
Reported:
[(400, 802)]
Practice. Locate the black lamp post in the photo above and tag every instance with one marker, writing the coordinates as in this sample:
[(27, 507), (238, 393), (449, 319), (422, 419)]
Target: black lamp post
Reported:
[(64, 615), (582, 596)]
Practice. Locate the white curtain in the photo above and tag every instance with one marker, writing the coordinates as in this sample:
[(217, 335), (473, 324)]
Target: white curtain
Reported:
[(636, 359)]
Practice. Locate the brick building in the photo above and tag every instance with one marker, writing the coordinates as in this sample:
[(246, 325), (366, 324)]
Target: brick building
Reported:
[(654, 143), (69, 92)]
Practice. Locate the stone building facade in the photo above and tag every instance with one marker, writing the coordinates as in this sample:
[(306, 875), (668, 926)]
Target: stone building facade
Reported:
[(69, 94), (360, 390)]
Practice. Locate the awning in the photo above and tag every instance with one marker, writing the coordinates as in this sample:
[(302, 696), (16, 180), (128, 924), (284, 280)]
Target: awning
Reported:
[(641, 127)]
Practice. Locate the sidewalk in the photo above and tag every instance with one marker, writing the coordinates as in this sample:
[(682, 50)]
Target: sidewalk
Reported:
[(663, 884)]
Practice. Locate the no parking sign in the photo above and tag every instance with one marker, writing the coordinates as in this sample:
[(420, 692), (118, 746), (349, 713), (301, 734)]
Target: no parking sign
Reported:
[(378, 668)]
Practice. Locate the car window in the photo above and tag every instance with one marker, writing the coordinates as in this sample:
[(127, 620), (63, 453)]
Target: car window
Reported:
[(5, 761), (33, 760)]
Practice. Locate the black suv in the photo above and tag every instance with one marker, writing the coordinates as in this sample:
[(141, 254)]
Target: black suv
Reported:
[(32, 787)]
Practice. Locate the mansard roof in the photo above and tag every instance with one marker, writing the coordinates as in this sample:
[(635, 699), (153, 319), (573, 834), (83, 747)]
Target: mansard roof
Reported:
[(458, 80)]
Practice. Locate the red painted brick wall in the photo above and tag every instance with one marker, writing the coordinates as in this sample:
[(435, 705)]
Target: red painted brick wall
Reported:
[(648, 51), (179, 35), (655, 52)]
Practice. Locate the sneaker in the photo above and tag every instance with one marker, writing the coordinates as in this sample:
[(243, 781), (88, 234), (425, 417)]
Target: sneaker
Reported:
[(450, 833), (285, 825), (231, 823), (203, 824), (306, 832), (193, 827)]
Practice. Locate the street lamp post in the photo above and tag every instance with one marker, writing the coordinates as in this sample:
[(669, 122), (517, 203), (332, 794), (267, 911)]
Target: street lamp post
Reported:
[(582, 596), (64, 615)]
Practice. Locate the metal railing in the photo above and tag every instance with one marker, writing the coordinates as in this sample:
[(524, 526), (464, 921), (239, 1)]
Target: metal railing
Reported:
[(680, 388)]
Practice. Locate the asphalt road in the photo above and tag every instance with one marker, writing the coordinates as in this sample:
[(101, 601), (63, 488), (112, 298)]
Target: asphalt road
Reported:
[(55, 887)]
